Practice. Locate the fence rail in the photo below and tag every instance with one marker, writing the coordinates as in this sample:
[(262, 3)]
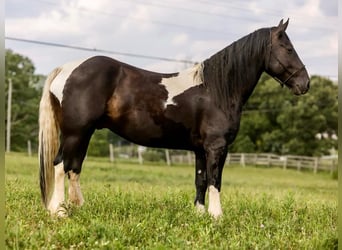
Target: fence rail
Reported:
[(325, 163), (315, 164)]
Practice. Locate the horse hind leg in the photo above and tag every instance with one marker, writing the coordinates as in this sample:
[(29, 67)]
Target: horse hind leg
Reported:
[(55, 205), (74, 152)]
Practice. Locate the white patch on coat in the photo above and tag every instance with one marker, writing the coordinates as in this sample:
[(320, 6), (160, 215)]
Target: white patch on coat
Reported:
[(183, 81), (57, 85), (214, 207), (57, 198)]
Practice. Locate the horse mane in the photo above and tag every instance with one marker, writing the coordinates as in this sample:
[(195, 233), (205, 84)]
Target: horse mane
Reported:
[(225, 73)]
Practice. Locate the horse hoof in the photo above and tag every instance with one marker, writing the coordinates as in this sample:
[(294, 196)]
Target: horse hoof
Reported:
[(215, 213), (200, 208), (61, 213)]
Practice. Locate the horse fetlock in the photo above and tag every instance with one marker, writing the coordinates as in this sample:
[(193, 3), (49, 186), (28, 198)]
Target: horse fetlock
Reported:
[(76, 197), (75, 194), (214, 207), (215, 212)]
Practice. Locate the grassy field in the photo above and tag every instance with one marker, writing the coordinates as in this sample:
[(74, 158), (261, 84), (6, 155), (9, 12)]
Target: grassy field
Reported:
[(128, 206)]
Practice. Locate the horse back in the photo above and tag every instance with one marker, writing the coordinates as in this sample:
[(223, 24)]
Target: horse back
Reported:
[(104, 93)]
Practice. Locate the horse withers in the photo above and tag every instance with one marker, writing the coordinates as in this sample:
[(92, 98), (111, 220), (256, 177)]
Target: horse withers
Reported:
[(198, 109)]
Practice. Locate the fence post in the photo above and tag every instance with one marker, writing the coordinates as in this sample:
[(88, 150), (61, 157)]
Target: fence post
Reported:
[(316, 165), (242, 160), (167, 155), (111, 152), (29, 148), (9, 110), (141, 149), (298, 165), (285, 162), (189, 158), (332, 166)]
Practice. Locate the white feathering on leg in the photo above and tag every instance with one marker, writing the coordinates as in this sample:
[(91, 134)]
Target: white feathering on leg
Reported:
[(57, 198), (214, 208)]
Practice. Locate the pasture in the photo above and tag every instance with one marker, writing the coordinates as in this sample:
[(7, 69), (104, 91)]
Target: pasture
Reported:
[(129, 206)]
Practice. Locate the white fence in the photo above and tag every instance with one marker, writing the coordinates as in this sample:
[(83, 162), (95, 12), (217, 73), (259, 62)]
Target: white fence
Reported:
[(325, 163), (315, 164)]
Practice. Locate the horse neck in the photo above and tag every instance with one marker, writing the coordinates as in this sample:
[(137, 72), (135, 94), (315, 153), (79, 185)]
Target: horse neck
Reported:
[(232, 74), (251, 82)]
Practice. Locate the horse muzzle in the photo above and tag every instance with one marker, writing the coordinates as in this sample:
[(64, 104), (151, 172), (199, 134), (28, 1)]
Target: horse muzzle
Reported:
[(301, 88)]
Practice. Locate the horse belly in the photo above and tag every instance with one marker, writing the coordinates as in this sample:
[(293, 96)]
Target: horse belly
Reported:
[(144, 128)]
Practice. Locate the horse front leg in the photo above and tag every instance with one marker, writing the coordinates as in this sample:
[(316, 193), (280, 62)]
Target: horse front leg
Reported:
[(200, 181), (216, 155)]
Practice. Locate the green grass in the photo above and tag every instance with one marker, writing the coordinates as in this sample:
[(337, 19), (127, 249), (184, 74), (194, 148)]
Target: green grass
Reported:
[(128, 206)]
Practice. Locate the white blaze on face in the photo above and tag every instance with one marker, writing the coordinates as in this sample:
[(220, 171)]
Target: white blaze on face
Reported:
[(58, 83), (183, 81)]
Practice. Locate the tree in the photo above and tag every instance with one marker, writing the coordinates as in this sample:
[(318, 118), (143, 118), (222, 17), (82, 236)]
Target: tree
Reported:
[(25, 100), (276, 121)]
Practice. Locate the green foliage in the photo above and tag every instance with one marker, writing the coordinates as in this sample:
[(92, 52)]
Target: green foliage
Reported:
[(129, 206), (98, 145), (276, 121), (25, 100), (155, 155)]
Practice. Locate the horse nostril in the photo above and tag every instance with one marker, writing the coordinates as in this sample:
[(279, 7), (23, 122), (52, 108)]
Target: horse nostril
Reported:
[(307, 87), (308, 84)]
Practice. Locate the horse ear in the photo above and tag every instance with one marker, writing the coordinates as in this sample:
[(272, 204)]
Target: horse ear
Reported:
[(280, 23), (283, 26), (286, 24)]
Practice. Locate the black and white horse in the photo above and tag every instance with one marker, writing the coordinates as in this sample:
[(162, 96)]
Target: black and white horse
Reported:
[(198, 109)]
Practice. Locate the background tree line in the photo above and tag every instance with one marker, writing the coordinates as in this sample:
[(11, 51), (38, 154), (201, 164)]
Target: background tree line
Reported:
[(273, 119)]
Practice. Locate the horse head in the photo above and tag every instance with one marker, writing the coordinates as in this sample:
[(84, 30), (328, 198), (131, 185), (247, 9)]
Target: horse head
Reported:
[(283, 63)]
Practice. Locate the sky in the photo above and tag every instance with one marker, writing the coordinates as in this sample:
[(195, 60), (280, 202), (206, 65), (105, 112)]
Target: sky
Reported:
[(191, 30)]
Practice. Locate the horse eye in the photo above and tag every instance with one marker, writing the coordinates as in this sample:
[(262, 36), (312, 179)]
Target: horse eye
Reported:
[(289, 50)]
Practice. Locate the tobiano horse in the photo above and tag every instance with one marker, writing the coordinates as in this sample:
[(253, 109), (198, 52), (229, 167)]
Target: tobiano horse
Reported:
[(198, 109)]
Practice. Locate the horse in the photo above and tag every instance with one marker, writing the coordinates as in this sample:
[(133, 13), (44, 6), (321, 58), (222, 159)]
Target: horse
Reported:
[(198, 109)]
